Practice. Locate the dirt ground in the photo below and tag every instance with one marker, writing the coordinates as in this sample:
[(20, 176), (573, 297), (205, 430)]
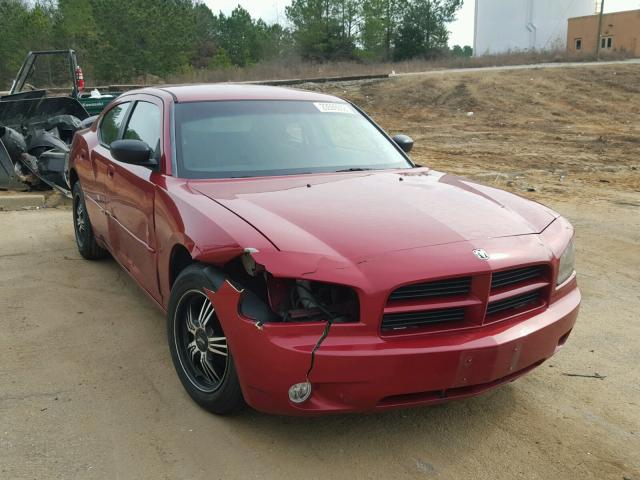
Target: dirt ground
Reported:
[(87, 389)]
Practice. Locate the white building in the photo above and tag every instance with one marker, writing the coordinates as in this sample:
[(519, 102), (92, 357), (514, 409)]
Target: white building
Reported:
[(518, 25)]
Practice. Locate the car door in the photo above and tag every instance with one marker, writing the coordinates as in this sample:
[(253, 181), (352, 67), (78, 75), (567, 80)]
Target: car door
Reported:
[(131, 197), (96, 183)]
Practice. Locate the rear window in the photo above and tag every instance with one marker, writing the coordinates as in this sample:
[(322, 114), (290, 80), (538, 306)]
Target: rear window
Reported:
[(264, 138)]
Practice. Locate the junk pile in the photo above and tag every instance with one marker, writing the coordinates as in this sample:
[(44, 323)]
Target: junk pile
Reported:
[(35, 139)]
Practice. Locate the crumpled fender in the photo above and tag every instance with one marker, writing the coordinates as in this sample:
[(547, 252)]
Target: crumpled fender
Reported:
[(262, 350)]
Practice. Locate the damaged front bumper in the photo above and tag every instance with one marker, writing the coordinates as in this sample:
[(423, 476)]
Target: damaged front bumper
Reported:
[(357, 370)]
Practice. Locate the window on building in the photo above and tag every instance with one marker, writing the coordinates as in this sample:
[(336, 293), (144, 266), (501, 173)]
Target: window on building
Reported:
[(578, 44), (606, 42)]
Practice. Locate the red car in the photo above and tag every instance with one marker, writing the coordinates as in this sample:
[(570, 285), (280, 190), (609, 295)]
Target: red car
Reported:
[(305, 264)]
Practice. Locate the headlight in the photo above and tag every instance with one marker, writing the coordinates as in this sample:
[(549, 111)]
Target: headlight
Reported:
[(309, 301), (567, 261)]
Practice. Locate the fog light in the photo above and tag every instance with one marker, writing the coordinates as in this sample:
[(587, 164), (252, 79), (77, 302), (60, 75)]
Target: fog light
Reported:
[(300, 392)]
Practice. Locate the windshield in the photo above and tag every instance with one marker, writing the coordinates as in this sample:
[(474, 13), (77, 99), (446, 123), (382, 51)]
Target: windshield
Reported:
[(263, 138)]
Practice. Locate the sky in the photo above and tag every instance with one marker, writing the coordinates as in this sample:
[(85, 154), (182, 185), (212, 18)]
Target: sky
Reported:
[(461, 30)]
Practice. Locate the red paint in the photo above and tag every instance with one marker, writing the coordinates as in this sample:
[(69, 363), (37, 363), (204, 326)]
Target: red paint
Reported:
[(367, 230)]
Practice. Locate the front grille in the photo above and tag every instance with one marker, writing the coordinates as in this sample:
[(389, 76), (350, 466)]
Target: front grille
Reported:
[(511, 277), (513, 303), (397, 321), (452, 303), (440, 288)]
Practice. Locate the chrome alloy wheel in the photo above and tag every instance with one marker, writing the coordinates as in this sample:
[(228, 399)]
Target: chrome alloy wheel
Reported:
[(80, 220), (81, 223), (200, 342)]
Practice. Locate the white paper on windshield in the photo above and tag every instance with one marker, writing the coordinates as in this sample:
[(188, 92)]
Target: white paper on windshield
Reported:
[(333, 107)]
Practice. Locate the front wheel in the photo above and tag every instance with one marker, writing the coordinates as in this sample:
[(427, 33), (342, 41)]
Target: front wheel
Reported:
[(198, 345), (85, 239)]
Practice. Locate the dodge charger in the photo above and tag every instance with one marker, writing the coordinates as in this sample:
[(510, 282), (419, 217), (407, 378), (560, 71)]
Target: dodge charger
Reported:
[(305, 264)]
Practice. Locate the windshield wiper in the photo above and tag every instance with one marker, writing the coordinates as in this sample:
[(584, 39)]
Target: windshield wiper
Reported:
[(354, 169)]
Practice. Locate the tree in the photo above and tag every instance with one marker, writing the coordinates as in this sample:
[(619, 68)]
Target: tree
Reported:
[(273, 41), (324, 29), (237, 35), (458, 51), (423, 31), (380, 21), (151, 37), (121, 41), (206, 41), (25, 26)]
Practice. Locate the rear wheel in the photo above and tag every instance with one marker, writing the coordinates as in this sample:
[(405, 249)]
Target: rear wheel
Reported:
[(199, 347), (85, 239)]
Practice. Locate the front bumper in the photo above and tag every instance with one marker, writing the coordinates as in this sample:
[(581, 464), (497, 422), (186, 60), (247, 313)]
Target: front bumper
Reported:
[(357, 371)]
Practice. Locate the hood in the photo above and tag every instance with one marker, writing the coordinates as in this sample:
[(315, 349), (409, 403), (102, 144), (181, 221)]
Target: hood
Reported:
[(364, 214)]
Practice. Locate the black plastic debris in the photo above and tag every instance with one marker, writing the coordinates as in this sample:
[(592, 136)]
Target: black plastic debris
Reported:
[(35, 135)]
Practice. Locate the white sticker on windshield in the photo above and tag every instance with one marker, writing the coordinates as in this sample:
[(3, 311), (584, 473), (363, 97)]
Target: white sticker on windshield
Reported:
[(333, 107)]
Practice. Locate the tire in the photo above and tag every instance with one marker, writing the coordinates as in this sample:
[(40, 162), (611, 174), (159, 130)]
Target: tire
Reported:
[(85, 239), (198, 346)]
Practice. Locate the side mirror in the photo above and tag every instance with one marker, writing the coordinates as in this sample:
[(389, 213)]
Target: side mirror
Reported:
[(404, 142), (136, 152)]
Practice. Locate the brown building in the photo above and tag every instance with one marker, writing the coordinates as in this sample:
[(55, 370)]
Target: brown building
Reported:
[(620, 32)]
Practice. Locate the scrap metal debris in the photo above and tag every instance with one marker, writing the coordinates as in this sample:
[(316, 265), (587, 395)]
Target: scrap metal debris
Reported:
[(35, 139), (595, 375)]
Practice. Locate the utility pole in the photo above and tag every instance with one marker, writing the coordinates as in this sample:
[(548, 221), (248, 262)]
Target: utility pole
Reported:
[(598, 39)]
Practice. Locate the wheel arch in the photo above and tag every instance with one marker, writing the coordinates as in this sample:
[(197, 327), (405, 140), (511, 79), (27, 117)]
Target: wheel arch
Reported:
[(73, 178), (179, 259)]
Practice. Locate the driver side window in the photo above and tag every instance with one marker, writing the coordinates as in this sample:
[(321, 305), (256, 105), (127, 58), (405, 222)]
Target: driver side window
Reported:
[(145, 124), (111, 123)]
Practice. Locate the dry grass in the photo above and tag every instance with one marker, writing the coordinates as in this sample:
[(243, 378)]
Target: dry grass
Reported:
[(295, 68), (539, 132)]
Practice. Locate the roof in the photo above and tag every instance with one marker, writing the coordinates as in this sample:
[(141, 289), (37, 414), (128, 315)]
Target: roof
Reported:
[(608, 14), (231, 91)]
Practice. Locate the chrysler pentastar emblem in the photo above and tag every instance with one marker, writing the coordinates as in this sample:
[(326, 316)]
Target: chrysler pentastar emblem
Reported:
[(481, 254)]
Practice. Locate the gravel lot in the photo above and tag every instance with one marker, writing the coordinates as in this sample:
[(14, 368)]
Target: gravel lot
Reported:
[(87, 389)]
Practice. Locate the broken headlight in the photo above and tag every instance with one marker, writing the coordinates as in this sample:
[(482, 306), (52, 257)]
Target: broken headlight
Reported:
[(310, 301), (567, 261)]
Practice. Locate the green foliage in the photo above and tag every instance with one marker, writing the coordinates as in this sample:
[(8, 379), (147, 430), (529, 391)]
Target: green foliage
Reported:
[(123, 40), (238, 36), (142, 37), (371, 29), (23, 27), (380, 20), (458, 51), (325, 29), (220, 60), (423, 30)]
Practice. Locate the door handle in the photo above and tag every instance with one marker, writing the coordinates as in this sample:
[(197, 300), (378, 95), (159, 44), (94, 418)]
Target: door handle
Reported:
[(110, 171)]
